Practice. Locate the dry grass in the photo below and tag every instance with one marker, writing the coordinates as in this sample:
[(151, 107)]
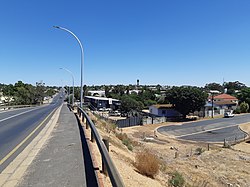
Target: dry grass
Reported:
[(147, 163), (125, 140)]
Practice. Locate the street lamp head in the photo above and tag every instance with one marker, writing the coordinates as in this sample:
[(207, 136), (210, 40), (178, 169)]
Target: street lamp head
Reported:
[(56, 27)]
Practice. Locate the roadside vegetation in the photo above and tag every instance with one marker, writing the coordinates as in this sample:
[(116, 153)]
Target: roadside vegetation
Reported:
[(147, 163), (26, 94)]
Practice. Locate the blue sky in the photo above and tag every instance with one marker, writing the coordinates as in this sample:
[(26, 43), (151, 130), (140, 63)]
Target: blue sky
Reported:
[(168, 42)]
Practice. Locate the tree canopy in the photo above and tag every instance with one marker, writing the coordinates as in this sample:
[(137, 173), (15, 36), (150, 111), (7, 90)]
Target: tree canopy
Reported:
[(24, 94), (214, 86), (233, 86), (186, 99)]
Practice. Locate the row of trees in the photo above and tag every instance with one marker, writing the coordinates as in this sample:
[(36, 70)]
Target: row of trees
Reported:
[(185, 99), (25, 94)]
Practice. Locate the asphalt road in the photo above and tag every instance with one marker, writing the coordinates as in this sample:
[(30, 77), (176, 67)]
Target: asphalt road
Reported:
[(17, 124), (215, 130)]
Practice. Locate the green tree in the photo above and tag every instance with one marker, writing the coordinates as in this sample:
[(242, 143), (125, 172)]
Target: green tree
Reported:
[(244, 107), (214, 86), (233, 86), (129, 104), (244, 95), (119, 90), (186, 99), (107, 91), (8, 90), (50, 92), (39, 92)]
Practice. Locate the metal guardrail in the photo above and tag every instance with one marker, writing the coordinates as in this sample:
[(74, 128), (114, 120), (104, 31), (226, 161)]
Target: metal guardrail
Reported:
[(14, 106), (112, 171)]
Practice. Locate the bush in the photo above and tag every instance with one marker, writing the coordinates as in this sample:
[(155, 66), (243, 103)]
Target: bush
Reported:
[(244, 107), (147, 163), (237, 110), (199, 150), (177, 180), (125, 140)]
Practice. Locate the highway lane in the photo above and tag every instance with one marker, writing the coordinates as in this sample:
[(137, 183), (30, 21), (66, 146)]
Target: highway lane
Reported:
[(16, 125), (215, 130)]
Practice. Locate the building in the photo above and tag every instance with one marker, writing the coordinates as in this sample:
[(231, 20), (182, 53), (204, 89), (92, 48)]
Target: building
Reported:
[(102, 102), (99, 93), (164, 110), (226, 101)]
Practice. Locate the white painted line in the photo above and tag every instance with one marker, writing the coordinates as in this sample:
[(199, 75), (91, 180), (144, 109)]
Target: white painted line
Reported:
[(200, 132), (13, 109), (17, 114)]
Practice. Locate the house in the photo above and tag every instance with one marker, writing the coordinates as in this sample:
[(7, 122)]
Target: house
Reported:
[(164, 110), (102, 102), (226, 101)]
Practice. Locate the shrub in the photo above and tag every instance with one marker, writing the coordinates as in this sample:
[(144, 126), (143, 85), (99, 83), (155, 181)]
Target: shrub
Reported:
[(237, 110), (177, 180), (244, 107), (125, 140), (199, 150), (147, 163)]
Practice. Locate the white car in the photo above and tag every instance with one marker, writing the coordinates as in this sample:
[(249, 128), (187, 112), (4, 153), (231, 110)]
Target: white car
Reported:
[(228, 114)]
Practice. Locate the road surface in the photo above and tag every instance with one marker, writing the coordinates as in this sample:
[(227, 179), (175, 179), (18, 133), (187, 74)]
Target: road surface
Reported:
[(215, 130), (19, 126)]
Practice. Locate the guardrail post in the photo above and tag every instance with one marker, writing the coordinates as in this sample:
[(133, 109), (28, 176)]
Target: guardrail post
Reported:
[(83, 118), (104, 168), (87, 124), (92, 136), (208, 147)]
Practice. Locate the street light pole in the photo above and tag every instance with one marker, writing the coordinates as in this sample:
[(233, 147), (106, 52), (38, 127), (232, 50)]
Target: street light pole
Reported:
[(73, 80), (82, 59), (68, 95), (212, 93)]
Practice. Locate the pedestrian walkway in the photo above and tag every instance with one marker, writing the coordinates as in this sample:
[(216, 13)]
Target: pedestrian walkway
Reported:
[(60, 162)]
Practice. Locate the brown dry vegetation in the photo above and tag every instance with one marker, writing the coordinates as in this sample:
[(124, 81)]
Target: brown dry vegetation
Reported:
[(147, 163), (198, 166)]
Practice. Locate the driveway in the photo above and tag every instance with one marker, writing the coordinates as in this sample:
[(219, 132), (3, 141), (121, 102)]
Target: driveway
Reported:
[(215, 130)]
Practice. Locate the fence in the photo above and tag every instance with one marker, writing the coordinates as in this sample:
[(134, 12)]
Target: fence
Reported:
[(208, 113), (95, 137), (129, 122), (153, 120)]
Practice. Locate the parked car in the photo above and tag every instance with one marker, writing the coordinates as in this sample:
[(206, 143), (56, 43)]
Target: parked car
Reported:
[(102, 109), (228, 114), (114, 113)]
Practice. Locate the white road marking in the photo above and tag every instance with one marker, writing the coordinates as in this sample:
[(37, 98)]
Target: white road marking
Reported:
[(18, 114)]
